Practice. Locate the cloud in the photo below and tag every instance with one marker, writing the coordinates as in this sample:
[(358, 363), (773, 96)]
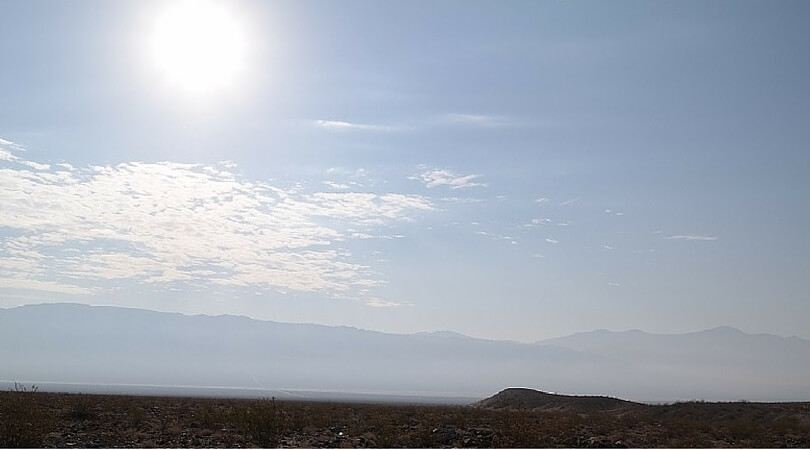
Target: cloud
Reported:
[(336, 186), (542, 200), (35, 165), (340, 125), (50, 286), (552, 241), (568, 202), (445, 177), (380, 303), (497, 237), (690, 237), (82, 230), (344, 179), (7, 150), (534, 223), (7, 147), (364, 208), (467, 200), (479, 120)]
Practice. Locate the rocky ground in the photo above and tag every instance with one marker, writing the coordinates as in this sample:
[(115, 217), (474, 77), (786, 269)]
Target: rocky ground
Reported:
[(33, 419)]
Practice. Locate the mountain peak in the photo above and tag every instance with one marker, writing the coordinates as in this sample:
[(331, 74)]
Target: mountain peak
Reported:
[(445, 334), (726, 330)]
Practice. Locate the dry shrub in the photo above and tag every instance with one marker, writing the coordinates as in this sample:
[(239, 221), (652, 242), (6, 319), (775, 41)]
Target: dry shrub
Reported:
[(24, 422), (261, 420)]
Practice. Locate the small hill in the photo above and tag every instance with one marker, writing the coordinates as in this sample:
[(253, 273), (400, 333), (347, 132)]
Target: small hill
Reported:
[(523, 398)]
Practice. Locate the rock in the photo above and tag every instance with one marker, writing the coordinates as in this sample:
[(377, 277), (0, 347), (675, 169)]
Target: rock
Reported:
[(598, 442)]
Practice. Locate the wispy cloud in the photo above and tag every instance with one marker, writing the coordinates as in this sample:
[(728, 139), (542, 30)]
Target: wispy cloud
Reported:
[(498, 237), (342, 178), (467, 200), (433, 177), (568, 202), (7, 153), (340, 125), (336, 186), (534, 223), (692, 237), (350, 173), (380, 303), (35, 165), (552, 241), (479, 120), (363, 208), (542, 200), (77, 230), (49, 286)]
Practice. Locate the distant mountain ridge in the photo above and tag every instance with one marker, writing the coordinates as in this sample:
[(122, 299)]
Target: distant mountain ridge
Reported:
[(714, 345), (79, 343), (446, 334), (73, 343)]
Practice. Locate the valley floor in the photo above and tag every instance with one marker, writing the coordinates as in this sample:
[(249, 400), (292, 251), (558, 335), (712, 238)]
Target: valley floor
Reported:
[(35, 419)]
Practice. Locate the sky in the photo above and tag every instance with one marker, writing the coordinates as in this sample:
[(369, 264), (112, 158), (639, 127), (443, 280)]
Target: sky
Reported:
[(508, 170)]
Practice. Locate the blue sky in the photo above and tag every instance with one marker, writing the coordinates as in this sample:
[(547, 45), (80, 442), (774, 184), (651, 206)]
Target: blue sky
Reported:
[(511, 170)]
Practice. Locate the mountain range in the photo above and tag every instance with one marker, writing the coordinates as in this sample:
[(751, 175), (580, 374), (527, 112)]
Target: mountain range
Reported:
[(71, 343)]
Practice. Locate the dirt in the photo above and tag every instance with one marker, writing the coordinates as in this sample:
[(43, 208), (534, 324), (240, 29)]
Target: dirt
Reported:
[(34, 419)]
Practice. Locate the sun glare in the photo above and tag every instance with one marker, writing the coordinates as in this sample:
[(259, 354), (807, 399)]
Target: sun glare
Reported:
[(199, 46)]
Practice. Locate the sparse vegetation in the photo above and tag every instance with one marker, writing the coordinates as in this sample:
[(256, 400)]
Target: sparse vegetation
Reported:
[(24, 419), (36, 419), (259, 421)]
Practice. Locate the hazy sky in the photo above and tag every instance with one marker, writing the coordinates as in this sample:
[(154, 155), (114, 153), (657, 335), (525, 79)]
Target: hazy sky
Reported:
[(514, 170)]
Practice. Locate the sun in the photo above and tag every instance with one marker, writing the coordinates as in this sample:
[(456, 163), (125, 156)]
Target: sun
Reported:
[(199, 46)]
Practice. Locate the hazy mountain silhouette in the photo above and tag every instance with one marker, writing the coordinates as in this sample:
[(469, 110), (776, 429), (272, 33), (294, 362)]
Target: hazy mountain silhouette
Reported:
[(445, 334), (78, 343), (721, 363)]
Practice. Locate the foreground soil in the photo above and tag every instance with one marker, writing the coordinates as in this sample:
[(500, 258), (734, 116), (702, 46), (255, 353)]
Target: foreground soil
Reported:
[(34, 419)]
